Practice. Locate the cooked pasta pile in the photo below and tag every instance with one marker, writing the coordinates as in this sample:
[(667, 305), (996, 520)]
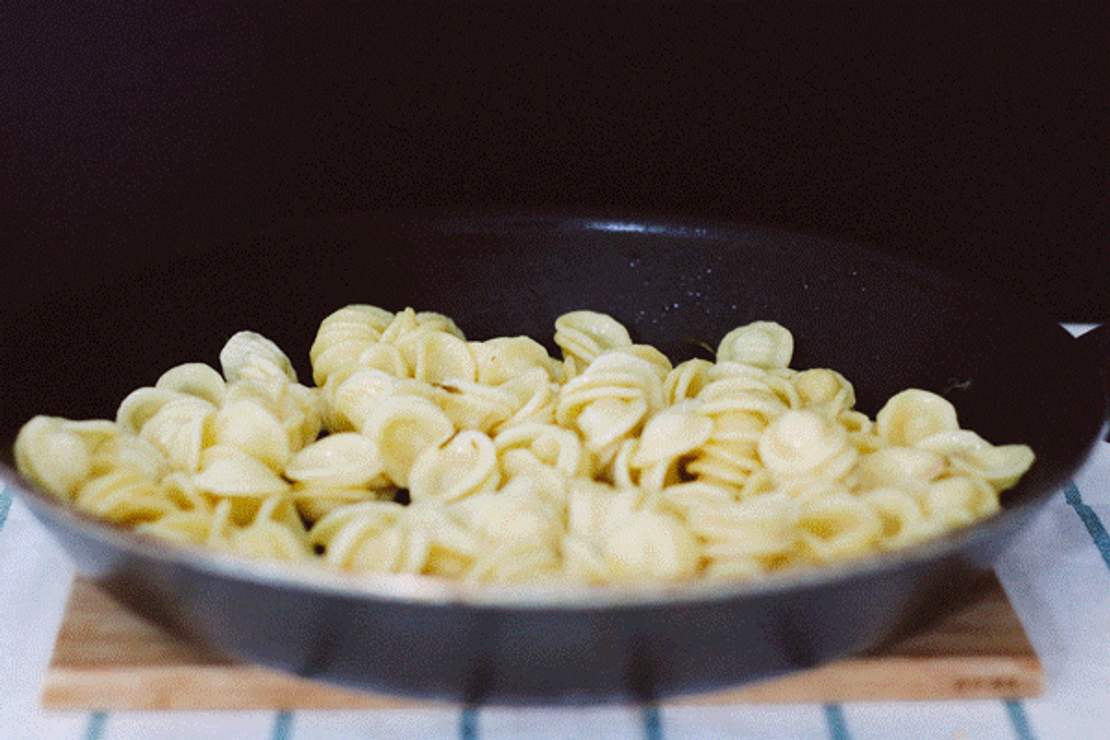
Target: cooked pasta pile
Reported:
[(421, 452)]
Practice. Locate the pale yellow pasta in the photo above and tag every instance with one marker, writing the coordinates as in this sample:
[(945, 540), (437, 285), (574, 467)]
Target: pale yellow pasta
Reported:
[(464, 466), (913, 415), (762, 344), (403, 427), (339, 460), (249, 426), (53, 456), (583, 335), (315, 501), (421, 452), (227, 472), (342, 338), (194, 379), (471, 405), (686, 380), (437, 356), (505, 358)]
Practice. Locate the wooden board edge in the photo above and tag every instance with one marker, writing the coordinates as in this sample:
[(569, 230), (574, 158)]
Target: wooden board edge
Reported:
[(254, 688)]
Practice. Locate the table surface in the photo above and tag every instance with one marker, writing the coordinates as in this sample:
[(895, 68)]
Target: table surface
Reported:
[(1057, 575)]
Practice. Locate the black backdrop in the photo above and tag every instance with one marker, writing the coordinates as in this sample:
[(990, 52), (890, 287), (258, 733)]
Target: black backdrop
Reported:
[(973, 136)]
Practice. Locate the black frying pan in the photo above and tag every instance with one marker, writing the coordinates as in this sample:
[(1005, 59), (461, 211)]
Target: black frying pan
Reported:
[(1012, 373)]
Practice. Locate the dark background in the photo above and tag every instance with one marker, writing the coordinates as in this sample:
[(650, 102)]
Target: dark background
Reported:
[(972, 136)]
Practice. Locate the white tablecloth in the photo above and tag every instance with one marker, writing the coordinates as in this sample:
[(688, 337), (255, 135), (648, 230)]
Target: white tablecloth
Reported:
[(1057, 576)]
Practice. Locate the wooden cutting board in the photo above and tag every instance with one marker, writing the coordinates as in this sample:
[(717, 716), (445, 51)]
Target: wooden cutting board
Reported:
[(108, 658)]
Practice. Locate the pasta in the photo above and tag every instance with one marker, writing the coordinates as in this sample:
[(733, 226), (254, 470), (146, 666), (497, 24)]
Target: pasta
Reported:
[(419, 451)]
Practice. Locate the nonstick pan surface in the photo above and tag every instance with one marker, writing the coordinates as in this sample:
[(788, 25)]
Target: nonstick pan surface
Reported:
[(1012, 373)]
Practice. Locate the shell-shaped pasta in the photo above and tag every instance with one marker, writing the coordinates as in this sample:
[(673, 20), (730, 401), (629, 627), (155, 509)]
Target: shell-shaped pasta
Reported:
[(402, 427), (130, 452), (653, 357), (409, 322), (315, 501), (762, 344), (741, 394), (520, 467), (140, 405), (594, 512), (464, 466), (94, 432), (609, 465), (343, 336), (837, 527), (594, 509), (621, 473), (385, 357), (894, 466), (651, 545), (912, 415), (248, 354), (671, 434), (762, 527), (432, 321), (179, 429), (386, 537), (268, 540), (551, 445), (252, 428), (682, 498), (274, 532), (504, 358), (607, 420), (903, 519), (437, 357), (610, 399), (825, 390), (194, 379), (583, 335), (354, 399), (339, 460), (54, 458), (968, 453), (301, 410), (686, 380), (182, 527), (345, 532), (227, 472), (186, 495), (723, 463), (123, 496), (515, 563), (515, 515), (475, 406), (802, 443), (960, 500), (535, 398)]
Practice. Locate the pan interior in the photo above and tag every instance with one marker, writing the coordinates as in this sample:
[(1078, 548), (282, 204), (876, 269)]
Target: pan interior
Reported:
[(1013, 375)]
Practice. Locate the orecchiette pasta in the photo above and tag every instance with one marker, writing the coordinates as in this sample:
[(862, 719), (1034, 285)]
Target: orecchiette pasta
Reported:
[(490, 461)]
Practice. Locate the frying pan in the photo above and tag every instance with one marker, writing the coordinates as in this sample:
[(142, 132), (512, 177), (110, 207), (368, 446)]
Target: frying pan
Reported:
[(887, 324)]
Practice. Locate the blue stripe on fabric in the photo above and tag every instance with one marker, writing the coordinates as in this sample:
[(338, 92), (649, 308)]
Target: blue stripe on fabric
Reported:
[(283, 726), (5, 505), (1090, 520), (653, 723), (1022, 729), (94, 730), (834, 720), (468, 724)]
